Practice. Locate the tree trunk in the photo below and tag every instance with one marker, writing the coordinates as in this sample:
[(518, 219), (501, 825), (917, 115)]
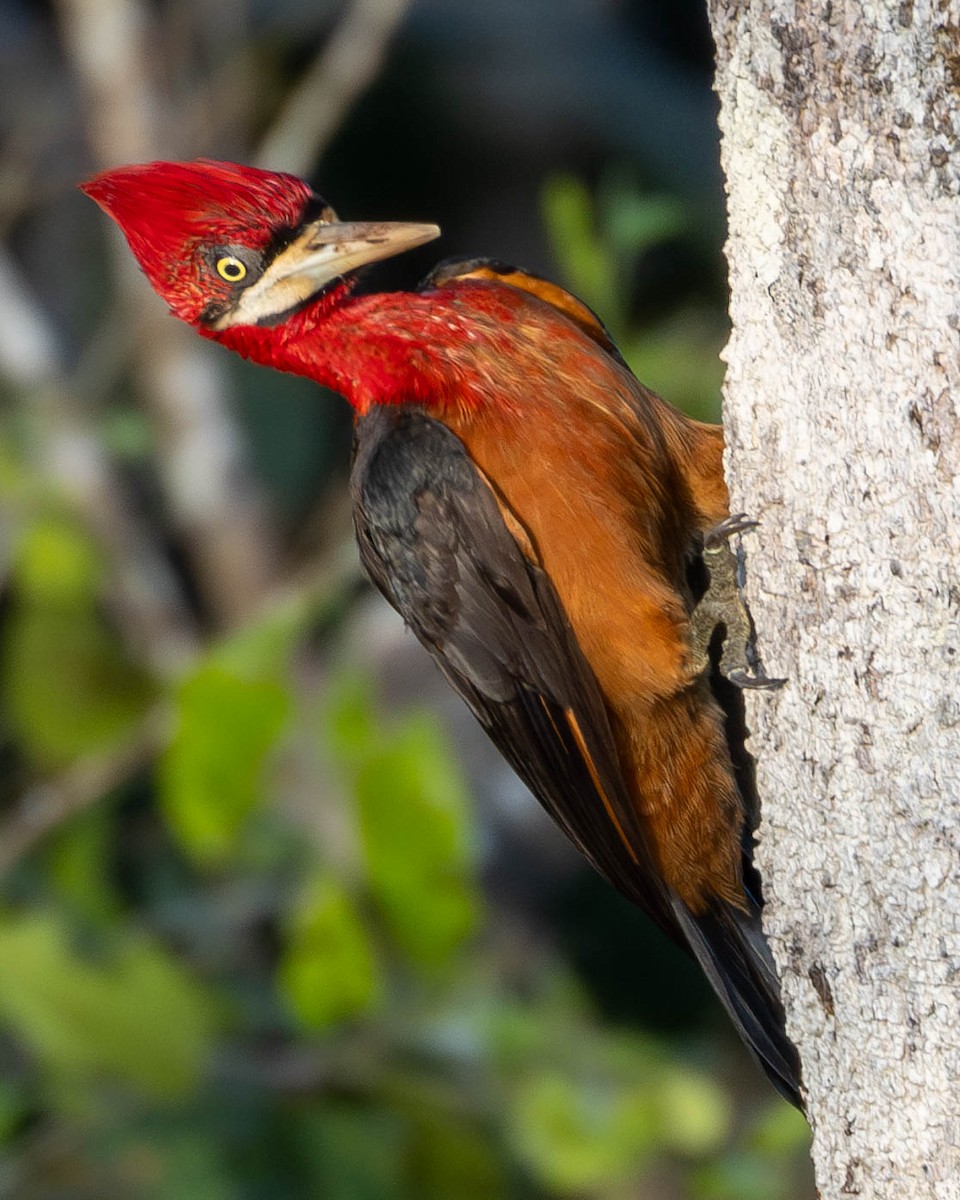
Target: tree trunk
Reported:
[(840, 135)]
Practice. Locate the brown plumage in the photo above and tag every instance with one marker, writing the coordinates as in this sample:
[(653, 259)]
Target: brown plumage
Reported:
[(589, 457), (535, 514)]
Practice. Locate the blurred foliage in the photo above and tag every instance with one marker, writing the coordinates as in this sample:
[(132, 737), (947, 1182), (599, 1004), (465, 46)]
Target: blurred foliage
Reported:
[(69, 686), (129, 1012), (598, 242), (381, 1037), (260, 935)]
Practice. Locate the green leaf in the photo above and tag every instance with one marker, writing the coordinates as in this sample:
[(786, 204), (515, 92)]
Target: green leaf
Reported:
[(357, 1153), (143, 1154), (452, 1158), (781, 1130), (596, 245), (413, 817), (584, 260), (577, 1135), (70, 688), (680, 359), (261, 649), (350, 728), (694, 1113), (413, 824), (136, 1015), (128, 434), (746, 1176), (634, 222), (14, 1108), (191, 1167), (210, 775), (78, 859), (56, 562), (328, 972)]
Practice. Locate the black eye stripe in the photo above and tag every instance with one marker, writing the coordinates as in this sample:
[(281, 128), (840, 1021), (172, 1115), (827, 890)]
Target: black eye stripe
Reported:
[(257, 261), (315, 209)]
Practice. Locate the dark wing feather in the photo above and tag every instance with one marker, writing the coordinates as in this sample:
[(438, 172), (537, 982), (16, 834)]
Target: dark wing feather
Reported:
[(434, 542)]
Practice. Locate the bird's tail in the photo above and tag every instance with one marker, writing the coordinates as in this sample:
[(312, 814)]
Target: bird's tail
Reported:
[(730, 947)]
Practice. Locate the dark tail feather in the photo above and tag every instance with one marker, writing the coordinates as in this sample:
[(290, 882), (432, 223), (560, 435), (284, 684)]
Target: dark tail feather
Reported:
[(731, 949)]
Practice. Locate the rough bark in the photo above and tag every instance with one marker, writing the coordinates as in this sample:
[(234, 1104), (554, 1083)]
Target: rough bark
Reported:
[(840, 136)]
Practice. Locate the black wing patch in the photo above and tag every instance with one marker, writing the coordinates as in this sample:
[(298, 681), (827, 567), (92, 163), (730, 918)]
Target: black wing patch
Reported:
[(434, 542)]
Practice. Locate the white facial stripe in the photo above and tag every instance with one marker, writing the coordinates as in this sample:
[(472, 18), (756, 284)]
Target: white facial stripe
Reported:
[(322, 253)]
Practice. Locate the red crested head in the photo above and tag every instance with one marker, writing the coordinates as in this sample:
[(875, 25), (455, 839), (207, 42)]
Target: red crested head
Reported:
[(230, 246), (176, 216)]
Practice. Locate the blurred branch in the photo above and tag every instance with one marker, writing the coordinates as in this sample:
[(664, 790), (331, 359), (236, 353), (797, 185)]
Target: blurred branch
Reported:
[(339, 75), (144, 595), (215, 503), (215, 500), (105, 41), (47, 805), (29, 352)]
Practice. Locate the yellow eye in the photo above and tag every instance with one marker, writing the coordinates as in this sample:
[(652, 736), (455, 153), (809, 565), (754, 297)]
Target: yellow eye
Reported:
[(231, 269)]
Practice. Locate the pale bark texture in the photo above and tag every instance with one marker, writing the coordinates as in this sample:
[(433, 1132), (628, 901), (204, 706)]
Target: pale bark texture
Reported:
[(840, 148)]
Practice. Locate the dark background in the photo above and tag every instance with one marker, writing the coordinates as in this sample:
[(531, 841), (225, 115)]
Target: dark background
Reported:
[(275, 920)]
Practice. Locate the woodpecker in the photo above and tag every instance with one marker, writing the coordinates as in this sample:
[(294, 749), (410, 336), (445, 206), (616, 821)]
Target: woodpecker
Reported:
[(537, 516)]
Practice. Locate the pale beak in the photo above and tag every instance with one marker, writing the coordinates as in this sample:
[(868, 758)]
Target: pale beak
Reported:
[(321, 252)]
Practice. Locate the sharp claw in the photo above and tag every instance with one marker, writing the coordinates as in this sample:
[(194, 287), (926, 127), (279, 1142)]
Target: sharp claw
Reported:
[(728, 528), (743, 679)]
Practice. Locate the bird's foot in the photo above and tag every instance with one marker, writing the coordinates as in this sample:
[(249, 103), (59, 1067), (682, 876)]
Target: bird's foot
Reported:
[(719, 536), (723, 606)]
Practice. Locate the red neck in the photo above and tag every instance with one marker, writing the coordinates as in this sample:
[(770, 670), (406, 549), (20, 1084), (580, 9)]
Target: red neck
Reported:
[(393, 348)]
